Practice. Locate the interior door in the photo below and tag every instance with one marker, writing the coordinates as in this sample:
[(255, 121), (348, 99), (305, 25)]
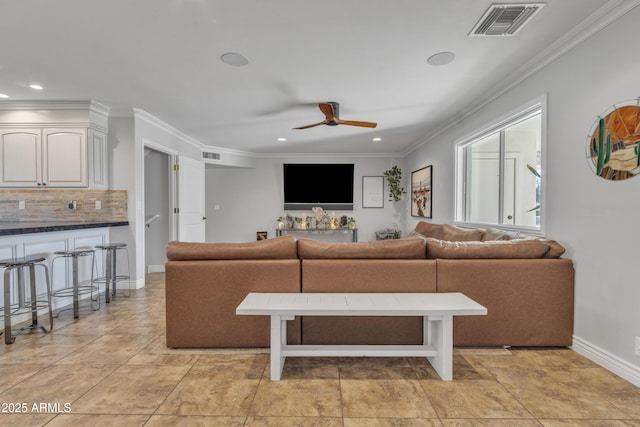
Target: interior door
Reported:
[(191, 225)]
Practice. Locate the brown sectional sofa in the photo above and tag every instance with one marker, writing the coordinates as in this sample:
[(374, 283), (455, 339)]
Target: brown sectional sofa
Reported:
[(525, 285)]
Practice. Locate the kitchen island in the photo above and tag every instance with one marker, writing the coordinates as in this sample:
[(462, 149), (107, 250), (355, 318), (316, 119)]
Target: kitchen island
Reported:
[(28, 227), (43, 238)]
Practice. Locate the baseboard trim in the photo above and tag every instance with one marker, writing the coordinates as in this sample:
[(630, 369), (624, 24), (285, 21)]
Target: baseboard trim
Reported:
[(155, 269), (607, 360)]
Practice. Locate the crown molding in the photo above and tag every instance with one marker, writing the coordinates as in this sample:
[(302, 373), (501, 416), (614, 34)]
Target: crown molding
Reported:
[(318, 155), (153, 120), (595, 22), (94, 106)]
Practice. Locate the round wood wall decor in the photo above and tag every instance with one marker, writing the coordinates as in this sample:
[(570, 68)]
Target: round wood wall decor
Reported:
[(613, 145)]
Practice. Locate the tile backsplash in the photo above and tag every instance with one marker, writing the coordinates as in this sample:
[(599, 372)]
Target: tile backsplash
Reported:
[(53, 205)]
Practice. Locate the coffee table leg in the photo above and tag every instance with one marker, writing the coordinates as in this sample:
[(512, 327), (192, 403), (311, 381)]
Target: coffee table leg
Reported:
[(438, 332), (278, 341)]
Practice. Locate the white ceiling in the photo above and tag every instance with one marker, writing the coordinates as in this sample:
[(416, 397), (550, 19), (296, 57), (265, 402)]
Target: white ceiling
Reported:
[(163, 56)]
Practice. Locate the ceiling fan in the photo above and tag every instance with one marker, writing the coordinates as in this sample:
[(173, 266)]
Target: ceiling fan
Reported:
[(331, 111)]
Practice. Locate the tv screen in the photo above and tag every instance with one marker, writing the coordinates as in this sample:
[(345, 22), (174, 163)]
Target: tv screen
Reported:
[(327, 185)]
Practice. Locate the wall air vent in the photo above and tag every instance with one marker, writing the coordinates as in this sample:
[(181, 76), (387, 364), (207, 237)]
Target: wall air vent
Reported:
[(210, 156), (505, 19)]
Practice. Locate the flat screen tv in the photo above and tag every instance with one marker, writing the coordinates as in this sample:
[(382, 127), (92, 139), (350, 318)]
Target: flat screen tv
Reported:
[(327, 185)]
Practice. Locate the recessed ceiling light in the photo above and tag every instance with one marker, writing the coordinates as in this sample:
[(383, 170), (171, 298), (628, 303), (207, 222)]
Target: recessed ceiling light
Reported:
[(377, 139), (35, 86), (282, 139), (235, 59), (2, 95), (441, 58)]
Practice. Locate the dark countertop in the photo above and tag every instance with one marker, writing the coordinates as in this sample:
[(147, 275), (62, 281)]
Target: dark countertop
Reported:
[(8, 228)]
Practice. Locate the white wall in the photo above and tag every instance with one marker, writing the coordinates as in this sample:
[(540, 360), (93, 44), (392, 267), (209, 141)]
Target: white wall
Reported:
[(251, 199), (122, 169), (595, 219)]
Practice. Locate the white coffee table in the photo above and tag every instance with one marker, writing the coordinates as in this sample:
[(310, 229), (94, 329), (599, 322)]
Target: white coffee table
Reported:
[(437, 309)]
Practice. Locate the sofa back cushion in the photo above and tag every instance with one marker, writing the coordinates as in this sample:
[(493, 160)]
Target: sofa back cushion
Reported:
[(381, 249), (495, 249), (279, 248)]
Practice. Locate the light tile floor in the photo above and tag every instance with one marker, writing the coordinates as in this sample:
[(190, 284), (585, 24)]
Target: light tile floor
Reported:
[(112, 368)]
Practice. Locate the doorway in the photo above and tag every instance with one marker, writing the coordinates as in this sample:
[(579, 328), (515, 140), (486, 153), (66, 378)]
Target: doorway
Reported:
[(158, 207)]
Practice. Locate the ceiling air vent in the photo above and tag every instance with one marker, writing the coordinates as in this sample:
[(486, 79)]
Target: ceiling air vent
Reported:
[(504, 19), (210, 156)]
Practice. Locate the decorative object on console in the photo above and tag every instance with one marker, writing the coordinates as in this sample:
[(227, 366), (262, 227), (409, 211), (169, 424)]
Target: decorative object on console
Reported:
[(421, 192), (372, 192), (388, 234), (261, 235), (321, 220), (613, 145), (394, 179), (351, 222)]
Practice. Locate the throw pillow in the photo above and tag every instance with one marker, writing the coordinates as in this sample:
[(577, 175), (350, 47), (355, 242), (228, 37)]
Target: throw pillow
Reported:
[(428, 229), (456, 234), (496, 249)]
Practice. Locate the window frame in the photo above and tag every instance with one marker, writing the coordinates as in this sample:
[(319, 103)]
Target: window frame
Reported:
[(518, 114)]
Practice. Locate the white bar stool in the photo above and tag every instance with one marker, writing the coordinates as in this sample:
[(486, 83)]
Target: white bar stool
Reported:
[(76, 288), (24, 305)]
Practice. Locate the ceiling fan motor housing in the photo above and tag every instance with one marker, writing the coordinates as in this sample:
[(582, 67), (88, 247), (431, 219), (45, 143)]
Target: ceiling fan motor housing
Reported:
[(336, 114)]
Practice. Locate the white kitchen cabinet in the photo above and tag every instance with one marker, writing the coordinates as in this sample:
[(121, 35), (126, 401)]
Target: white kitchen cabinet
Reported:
[(53, 157), (21, 161), (98, 159), (64, 158)]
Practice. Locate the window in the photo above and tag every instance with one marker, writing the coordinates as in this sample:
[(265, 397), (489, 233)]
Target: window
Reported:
[(499, 174)]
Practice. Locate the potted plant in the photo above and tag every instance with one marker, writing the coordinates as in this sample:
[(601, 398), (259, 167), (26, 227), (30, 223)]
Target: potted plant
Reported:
[(394, 179)]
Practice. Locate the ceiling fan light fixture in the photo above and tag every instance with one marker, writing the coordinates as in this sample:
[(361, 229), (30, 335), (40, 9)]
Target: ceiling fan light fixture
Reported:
[(441, 58), (234, 59)]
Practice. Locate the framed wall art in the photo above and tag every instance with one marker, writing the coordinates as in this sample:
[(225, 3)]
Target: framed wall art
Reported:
[(421, 192), (613, 144), (372, 191)]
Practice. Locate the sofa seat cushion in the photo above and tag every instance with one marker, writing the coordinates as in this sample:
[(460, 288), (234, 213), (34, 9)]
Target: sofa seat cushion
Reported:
[(495, 249), (381, 249), (279, 248)]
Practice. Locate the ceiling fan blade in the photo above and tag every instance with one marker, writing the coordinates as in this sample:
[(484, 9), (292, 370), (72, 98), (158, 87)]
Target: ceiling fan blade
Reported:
[(356, 123), (327, 110), (324, 122)]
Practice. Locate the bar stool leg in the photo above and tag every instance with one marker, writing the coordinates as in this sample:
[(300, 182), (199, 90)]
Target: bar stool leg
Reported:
[(34, 302), (8, 339), (108, 274), (74, 272), (114, 275), (48, 283)]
